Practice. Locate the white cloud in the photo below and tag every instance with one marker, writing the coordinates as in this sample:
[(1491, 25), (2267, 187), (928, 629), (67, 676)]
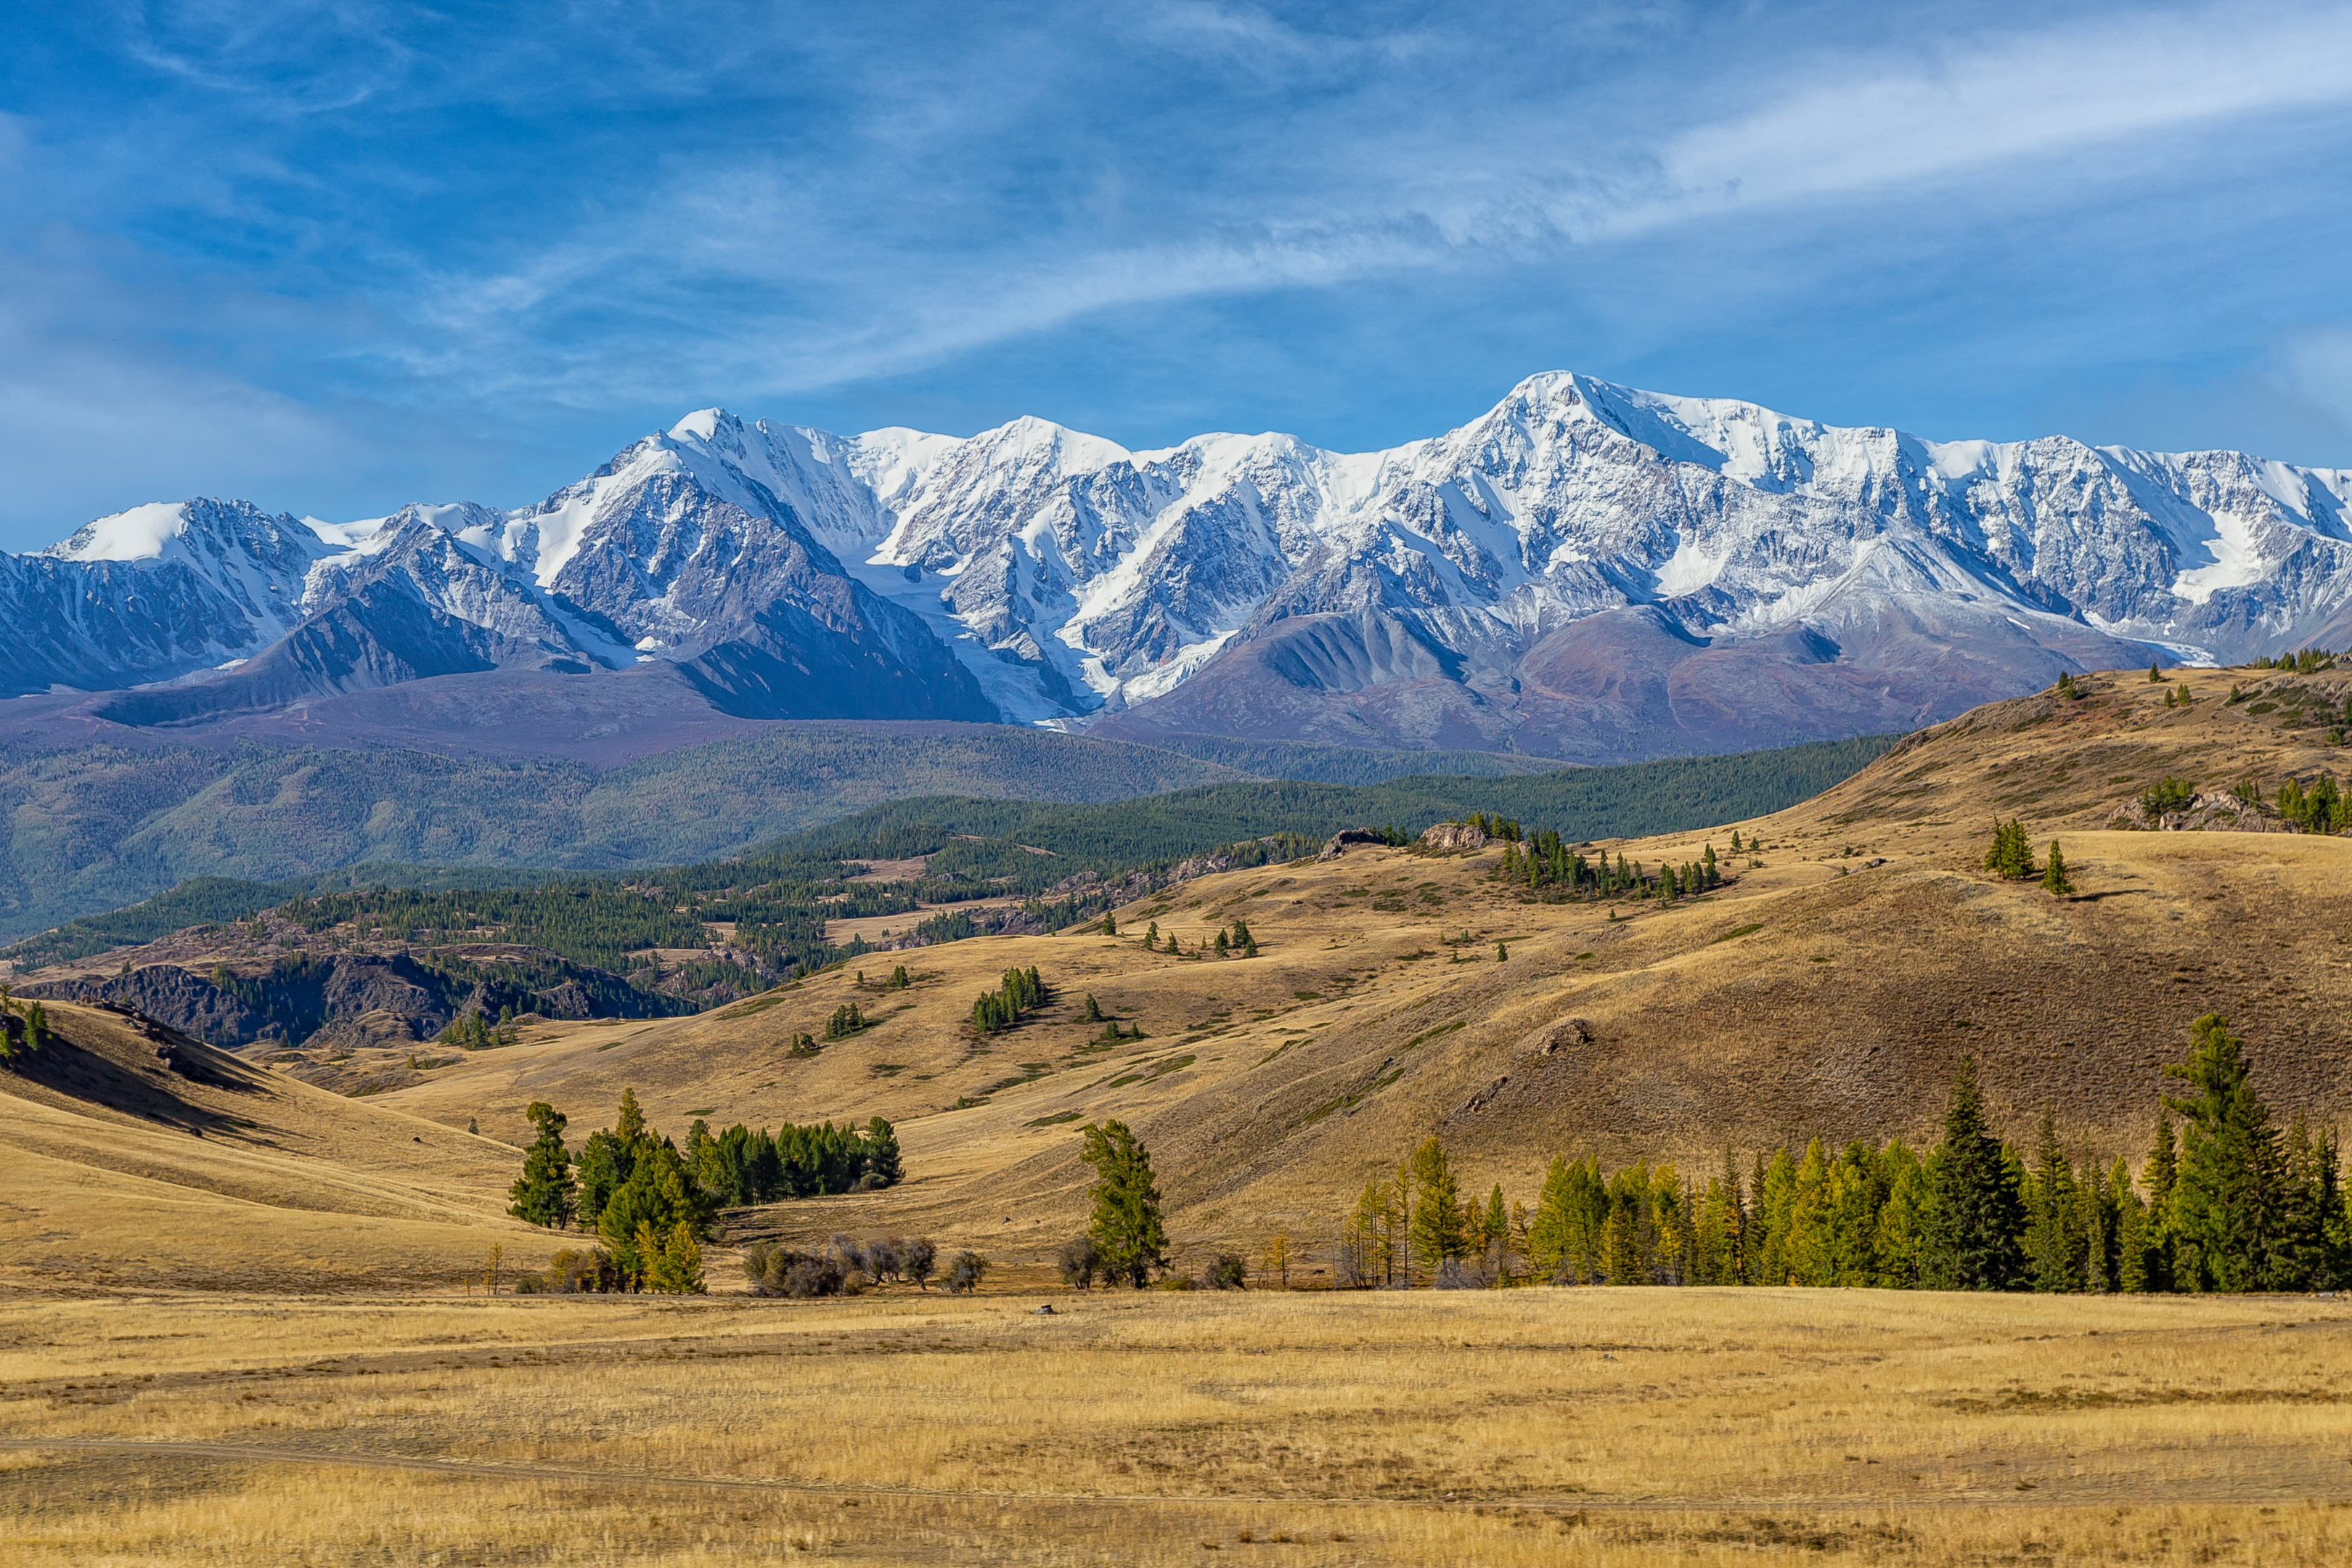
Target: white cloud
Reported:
[(1885, 120)]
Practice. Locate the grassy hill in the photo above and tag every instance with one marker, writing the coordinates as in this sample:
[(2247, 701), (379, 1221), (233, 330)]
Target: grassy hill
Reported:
[(1827, 991), (207, 1173)]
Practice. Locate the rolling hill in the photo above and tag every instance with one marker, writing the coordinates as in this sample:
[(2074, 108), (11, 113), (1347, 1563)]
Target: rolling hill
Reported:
[(137, 1171), (1827, 987), (1828, 990)]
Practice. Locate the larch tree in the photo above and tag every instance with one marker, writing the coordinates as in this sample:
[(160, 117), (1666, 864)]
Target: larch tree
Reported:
[(1126, 1225), (1436, 1228)]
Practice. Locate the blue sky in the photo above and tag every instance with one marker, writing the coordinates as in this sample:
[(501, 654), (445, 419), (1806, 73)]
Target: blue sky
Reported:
[(333, 257)]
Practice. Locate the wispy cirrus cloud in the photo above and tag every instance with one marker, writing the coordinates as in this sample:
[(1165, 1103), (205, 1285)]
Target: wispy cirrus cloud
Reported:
[(549, 229)]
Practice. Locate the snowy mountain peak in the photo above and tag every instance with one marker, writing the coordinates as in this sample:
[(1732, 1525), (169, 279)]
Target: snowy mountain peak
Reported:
[(1066, 577)]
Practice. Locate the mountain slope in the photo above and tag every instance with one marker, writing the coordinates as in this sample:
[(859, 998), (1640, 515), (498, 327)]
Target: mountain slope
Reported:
[(1586, 570)]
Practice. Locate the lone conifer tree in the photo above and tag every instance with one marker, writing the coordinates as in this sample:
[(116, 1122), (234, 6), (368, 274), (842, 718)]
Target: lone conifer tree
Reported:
[(1975, 1221), (1125, 1229), (2053, 876)]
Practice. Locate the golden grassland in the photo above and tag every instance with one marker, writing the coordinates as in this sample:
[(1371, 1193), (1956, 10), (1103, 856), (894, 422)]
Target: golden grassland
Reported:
[(334, 1399), (1527, 1425), (1828, 990)]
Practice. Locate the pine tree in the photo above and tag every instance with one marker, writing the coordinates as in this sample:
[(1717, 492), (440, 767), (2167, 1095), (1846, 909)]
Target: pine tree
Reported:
[(2226, 1199), (1094, 1009), (1151, 937), (2011, 854), (2053, 878), (1900, 1243), (1126, 1227), (2154, 672), (1776, 1190), (2134, 1253), (673, 1263), (2096, 1224), (2161, 1172), (2050, 1241), (1975, 1222), (1495, 1234), (1812, 1216), (545, 1193), (2308, 1256)]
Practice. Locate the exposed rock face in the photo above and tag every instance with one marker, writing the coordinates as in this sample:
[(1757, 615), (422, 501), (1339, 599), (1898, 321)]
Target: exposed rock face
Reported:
[(187, 1002), (1338, 844), (1454, 838), (349, 999), (2212, 812)]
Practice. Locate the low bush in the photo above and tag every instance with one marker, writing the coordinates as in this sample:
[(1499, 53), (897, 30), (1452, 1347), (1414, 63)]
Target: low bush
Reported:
[(1079, 1261), (1227, 1271), (963, 1275)]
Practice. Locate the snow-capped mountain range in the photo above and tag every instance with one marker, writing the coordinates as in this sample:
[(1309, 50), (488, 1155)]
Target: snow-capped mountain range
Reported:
[(1585, 571)]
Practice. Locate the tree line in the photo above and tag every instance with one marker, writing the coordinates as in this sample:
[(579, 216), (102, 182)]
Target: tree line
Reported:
[(651, 1206), (1545, 865), (2231, 1203)]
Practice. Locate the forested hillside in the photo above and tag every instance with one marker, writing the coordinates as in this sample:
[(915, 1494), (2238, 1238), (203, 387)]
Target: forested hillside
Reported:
[(1068, 859), (100, 826)]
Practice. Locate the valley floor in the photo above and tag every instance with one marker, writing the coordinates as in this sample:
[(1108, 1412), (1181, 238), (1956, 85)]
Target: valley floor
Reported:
[(1528, 1425)]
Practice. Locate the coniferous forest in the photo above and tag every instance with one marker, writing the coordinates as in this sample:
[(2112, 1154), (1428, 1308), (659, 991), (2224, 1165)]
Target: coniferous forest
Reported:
[(2223, 1200)]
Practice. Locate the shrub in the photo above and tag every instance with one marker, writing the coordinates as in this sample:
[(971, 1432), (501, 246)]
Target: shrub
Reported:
[(776, 1270), (529, 1284), (1227, 1271), (1079, 1261), (964, 1274), (852, 1257), (808, 1277), (917, 1260), (586, 1272)]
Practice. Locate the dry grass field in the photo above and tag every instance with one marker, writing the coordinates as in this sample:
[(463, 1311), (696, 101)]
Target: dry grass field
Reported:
[(1503, 1428), (233, 1325)]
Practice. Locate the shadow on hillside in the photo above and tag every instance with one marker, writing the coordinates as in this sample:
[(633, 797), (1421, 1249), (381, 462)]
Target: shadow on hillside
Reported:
[(140, 1075)]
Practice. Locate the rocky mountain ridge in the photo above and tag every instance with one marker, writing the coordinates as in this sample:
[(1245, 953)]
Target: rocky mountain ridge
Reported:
[(1586, 570)]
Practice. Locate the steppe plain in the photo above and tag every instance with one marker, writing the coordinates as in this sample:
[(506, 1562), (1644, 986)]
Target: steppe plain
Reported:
[(244, 1318)]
